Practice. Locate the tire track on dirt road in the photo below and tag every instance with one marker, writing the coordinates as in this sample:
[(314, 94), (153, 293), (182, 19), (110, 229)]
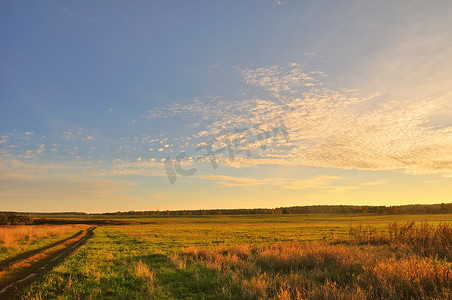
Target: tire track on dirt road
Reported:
[(18, 272)]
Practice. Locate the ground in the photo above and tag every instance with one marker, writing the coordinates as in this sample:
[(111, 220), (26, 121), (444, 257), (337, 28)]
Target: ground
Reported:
[(252, 257)]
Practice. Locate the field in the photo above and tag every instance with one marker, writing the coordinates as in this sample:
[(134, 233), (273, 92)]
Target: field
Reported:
[(257, 257), (15, 240)]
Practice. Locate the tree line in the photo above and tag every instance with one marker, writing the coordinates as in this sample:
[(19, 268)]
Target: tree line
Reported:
[(12, 218), (316, 209)]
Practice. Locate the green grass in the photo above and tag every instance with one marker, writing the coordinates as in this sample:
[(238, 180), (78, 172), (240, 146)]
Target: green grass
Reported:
[(104, 268), (222, 219), (150, 261)]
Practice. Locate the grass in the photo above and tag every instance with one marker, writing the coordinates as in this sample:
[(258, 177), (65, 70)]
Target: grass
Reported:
[(408, 261), (16, 239), (318, 270), (259, 257), (424, 238), (30, 264)]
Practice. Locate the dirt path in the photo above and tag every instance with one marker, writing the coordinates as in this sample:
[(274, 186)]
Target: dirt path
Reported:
[(23, 269)]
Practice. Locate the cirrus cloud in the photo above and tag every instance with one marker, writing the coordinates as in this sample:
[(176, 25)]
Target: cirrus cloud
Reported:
[(329, 126)]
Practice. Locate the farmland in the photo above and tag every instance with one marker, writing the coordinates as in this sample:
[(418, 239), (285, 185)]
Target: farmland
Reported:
[(256, 257)]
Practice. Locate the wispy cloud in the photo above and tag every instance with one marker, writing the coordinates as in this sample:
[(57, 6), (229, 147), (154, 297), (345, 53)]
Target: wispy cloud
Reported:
[(65, 192), (375, 183), (64, 185), (277, 79), (330, 127), (150, 167), (41, 149), (327, 125), (88, 138), (233, 181), (317, 182)]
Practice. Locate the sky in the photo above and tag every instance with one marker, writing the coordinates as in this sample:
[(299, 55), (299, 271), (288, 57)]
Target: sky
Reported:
[(109, 106)]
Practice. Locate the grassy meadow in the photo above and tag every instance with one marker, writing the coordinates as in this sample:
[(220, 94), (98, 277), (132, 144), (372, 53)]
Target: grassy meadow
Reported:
[(17, 239), (258, 257)]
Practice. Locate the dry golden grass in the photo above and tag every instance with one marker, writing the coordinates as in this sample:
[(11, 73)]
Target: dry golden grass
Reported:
[(142, 271), (246, 261), (424, 238), (402, 264), (414, 277), (12, 235), (179, 262)]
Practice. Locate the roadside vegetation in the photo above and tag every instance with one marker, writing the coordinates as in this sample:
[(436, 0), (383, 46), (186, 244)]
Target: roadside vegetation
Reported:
[(16, 239)]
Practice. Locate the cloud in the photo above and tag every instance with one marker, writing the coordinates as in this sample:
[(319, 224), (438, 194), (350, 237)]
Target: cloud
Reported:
[(277, 79), (317, 182), (297, 118), (59, 186), (327, 126), (375, 183), (63, 191), (41, 149), (233, 181), (150, 167), (88, 138)]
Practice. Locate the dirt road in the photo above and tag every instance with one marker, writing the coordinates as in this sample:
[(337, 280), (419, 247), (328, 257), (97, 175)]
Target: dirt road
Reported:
[(21, 270)]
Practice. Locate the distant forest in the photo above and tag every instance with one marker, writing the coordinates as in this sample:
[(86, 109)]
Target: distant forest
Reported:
[(317, 209), (14, 218)]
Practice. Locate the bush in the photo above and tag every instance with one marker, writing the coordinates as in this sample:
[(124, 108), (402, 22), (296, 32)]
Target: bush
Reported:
[(14, 219)]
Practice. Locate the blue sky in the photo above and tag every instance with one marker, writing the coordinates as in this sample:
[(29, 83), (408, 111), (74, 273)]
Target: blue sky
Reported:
[(95, 95)]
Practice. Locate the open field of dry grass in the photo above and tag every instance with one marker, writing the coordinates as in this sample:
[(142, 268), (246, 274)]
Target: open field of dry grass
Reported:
[(410, 261), (259, 257)]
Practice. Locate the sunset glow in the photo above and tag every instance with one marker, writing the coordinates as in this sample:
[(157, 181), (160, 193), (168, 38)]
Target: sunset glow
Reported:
[(251, 104)]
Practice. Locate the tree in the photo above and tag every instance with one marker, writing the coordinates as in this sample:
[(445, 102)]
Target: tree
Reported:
[(3, 219), (15, 219)]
